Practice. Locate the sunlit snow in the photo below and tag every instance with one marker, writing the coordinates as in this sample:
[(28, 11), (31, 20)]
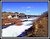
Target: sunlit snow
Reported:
[(14, 31)]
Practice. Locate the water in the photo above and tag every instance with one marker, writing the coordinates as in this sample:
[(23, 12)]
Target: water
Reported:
[(13, 30)]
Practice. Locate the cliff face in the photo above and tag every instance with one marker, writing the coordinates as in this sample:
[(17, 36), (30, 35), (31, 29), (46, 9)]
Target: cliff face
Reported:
[(40, 27)]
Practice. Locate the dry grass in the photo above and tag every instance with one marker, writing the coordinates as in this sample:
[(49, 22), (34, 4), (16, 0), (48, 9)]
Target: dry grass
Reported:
[(40, 27)]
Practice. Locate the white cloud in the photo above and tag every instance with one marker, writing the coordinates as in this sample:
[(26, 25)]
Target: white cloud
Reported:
[(28, 7), (28, 11), (8, 9)]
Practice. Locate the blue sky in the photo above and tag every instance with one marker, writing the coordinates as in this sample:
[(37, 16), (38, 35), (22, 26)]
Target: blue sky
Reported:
[(31, 8)]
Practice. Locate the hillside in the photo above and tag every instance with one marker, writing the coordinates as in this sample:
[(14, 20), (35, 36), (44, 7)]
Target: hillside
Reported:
[(10, 17), (40, 27)]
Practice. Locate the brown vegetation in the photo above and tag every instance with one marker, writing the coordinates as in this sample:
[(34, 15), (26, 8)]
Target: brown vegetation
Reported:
[(40, 27), (6, 21)]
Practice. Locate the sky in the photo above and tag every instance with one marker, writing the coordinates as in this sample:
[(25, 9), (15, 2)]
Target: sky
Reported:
[(30, 8)]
